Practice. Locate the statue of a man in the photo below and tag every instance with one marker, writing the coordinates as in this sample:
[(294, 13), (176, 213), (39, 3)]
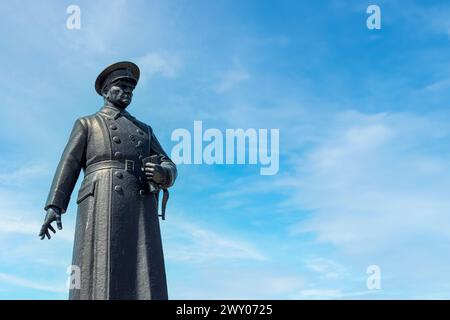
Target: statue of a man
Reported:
[(117, 247)]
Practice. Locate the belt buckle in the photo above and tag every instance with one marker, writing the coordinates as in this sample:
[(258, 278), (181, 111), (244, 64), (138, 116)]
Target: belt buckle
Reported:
[(129, 165)]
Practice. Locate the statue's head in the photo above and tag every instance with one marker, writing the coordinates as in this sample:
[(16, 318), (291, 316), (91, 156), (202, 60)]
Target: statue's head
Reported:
[(117, 82)]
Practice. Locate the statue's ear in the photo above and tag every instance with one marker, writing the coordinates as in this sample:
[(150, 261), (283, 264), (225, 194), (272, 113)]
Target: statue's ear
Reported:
[(105, 92)]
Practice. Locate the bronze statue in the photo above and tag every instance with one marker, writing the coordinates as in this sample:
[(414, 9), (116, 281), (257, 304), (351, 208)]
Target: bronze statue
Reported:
[(117, 238)]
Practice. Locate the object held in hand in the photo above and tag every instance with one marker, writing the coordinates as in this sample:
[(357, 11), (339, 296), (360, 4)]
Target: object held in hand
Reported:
[(154, 188), (152, 159)]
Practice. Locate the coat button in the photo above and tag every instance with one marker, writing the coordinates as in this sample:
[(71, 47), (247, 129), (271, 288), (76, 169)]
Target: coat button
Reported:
[(141, 193), (116, 139), (132, 137), (118, 174), (139, 144), (140, 132), (118, 155), (113, 127), (118, 188)]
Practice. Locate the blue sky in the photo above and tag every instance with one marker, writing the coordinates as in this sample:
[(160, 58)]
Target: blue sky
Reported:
[(364, 141)]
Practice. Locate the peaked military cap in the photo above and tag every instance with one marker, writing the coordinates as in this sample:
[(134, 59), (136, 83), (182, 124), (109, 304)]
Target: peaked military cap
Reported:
[(120, 70)]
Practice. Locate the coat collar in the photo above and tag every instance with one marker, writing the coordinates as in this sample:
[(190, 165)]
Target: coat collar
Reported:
[(114, 112)]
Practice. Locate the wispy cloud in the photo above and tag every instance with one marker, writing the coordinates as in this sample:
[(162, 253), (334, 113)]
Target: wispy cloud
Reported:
[(229, 79), (154, 63), (26, 283), (326, 268), (329, 294), (22, 174), (190, 242), (19, 219), (374, 159), (187, 241)]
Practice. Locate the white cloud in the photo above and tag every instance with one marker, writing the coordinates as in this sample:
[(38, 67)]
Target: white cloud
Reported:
[(22, 282), (371, 184), (371, 188), (319, 294), (280, 285), (325, 294), (164, 64), (238, 283), (326, 268), (23, 174), (189, 242), (19, 218), (229, 79), (18, 225), (439, 85)]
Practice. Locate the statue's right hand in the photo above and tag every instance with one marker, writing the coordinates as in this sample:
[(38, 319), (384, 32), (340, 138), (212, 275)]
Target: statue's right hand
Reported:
[(53, 214)]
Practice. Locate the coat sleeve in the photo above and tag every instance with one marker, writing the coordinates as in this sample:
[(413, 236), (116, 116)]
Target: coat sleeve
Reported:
[(69, 167), (165, 162)]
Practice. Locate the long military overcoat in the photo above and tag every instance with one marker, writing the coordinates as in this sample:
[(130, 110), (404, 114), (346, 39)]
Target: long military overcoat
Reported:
[(117, 243)]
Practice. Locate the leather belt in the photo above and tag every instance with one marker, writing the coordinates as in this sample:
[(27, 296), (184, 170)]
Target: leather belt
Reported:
[(130, 166), (127, 165)]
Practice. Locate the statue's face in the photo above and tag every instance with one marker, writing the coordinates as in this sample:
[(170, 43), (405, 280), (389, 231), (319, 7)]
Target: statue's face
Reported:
[(120, 94)]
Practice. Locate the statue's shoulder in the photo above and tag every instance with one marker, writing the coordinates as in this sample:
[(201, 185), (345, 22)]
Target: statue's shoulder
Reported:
[(86, 121)]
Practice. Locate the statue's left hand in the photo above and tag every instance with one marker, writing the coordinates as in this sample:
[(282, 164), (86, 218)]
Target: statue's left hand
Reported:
[(155, 172), (53, 214)]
